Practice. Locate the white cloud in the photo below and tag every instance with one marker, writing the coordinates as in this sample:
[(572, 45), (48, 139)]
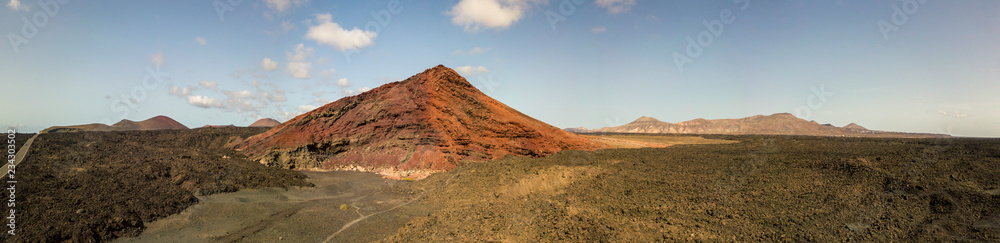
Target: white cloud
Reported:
[(299, 69), (297, 66), (286, 26), (157, 59), (209, 84), (473, 51), (331, 34), (470, 70), (239, 94), (598, 30), (350, 92), (307, 108), (200, 41), (240, 105), (283, 5), (343, 83), (328, 72), (178, 91), (16, 5), (300, 54), (491, 14), (616, 6), (268, 65), (279, 96), (204, 101), (952, 114)]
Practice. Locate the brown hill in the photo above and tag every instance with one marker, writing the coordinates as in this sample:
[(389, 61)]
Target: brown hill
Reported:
[(266, 122), (855, 126), (217, 126), (154, 123), (430, 122), (577, 129), (776, 124)]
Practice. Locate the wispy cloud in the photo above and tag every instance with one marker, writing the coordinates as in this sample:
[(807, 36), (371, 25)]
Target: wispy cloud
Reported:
[(616, 6), (284, 5), (297, 65), (17, 6), (471, 70), (157, 59), (213, 85), (954, 114)]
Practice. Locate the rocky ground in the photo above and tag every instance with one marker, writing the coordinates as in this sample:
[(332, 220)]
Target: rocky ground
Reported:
[(762, 188), (96, 186), (765, 188)]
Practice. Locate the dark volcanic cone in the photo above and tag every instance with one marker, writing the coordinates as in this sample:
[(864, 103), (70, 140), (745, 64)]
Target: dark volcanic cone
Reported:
[(430, 122)]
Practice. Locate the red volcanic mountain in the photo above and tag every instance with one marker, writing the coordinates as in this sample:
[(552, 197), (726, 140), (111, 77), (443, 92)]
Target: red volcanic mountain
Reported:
[(430, 122), (266, 122), (155, 123)]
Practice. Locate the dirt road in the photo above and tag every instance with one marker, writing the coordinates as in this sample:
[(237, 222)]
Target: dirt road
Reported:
[(297, 215), (22, 152)]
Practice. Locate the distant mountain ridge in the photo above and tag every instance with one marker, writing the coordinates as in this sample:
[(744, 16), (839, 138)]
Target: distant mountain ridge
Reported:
[(775, 124), (154, 123)]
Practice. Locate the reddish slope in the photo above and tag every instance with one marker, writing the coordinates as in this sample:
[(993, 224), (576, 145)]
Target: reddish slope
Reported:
[(432, 121), (266, 122)]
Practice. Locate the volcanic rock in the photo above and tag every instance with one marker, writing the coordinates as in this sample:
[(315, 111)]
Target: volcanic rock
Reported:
[(266, 122), (430, 122)]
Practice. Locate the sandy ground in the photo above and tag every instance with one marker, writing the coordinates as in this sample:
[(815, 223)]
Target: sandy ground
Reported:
[(294, 215), (375, 208)]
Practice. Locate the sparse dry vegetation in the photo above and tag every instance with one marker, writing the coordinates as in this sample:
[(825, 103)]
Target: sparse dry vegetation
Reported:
[(764, 188)]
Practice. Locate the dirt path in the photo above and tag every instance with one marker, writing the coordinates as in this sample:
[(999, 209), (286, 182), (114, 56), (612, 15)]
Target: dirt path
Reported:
[(21, 153), (280, 215), (363, 216), (297, 215)]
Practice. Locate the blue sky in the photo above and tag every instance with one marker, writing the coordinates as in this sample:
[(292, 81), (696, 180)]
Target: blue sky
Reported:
[(930, 66)]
